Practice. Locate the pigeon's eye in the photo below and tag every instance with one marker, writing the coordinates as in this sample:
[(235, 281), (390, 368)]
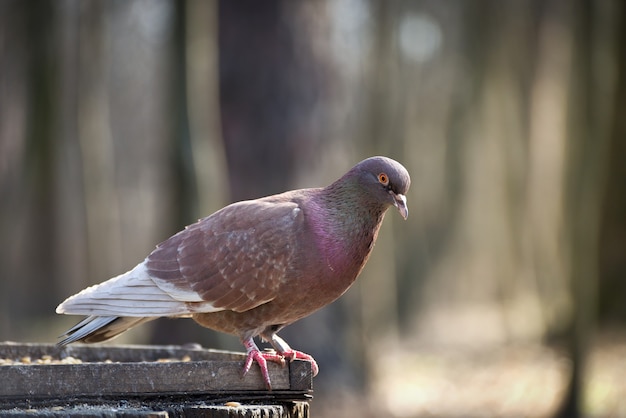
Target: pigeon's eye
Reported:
[(383, 179)]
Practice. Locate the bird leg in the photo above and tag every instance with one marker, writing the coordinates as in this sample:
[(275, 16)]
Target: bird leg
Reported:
[(283, 351), (287, 352), (261, 357)]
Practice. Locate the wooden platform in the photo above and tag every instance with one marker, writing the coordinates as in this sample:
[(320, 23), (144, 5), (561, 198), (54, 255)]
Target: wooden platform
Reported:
[(129, 381)]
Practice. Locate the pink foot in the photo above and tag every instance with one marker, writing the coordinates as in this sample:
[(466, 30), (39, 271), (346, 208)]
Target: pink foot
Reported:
[(292, 355), (283, 351), (283, 348), (261, 357)]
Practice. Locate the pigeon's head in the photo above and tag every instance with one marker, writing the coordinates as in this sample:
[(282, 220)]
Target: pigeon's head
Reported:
[(386, 180)]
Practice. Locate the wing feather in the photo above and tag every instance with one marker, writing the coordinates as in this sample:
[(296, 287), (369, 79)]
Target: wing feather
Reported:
[(236, 259), (132, 294)]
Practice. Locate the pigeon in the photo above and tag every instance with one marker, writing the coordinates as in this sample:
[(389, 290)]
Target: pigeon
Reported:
[(254, 266)]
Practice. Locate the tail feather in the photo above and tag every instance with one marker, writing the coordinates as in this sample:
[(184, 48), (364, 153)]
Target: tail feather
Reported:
[(95, 329)]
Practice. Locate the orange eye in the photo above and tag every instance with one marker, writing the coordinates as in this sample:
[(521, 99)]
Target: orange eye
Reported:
[(383, 179)]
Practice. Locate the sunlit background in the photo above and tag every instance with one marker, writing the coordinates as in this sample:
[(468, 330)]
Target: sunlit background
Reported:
[(503, 294)]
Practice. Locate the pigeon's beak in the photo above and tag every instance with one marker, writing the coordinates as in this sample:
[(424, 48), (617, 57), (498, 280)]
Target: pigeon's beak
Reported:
[(399, 201)]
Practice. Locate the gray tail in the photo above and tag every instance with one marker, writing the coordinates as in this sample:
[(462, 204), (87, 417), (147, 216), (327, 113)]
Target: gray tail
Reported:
[(94, 329)]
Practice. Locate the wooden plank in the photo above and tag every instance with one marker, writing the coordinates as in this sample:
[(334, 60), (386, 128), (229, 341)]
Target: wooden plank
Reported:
[(135, 372), (288, 410), (89, 411), (117, 353), (300, 376), (102, 379), (294, 410)]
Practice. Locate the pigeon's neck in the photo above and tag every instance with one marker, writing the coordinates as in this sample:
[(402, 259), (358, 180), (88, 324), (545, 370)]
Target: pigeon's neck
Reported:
[(346, 225)]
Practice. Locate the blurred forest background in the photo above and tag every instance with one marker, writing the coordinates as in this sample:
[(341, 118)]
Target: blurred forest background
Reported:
[(504, 294)]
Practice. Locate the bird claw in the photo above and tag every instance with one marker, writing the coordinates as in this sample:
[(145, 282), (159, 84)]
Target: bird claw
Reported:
[(283, 348), (262, 357), (292, 355)]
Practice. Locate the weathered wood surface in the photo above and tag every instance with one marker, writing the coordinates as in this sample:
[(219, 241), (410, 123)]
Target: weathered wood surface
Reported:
[(285, 410), (135, 374)]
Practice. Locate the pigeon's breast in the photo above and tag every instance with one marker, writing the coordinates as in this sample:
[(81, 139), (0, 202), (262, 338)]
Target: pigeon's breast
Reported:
[(342, 243)]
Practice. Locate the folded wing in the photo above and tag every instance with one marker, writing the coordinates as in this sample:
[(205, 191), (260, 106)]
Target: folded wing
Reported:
[(235, 259)]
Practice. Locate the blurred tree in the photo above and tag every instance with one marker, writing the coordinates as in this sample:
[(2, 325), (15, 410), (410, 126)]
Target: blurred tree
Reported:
[(72, 160), (27, 153), (612, 262), (595, 91), (271, 81)]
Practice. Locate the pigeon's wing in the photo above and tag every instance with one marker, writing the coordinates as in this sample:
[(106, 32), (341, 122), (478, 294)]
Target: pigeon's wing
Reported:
[(235, 259)]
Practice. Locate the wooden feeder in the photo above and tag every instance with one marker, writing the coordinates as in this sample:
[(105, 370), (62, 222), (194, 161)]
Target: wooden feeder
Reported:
[(138, 381)]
